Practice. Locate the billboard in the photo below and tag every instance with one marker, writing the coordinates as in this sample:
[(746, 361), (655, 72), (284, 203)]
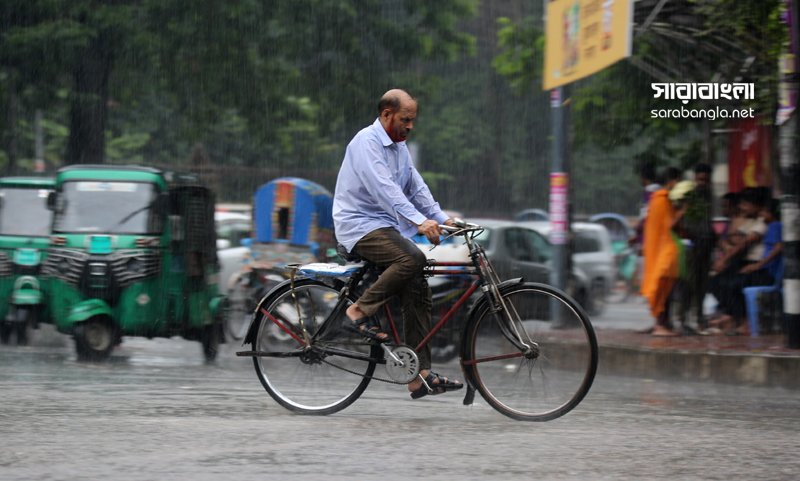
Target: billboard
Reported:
[(585, 36), (749, 154)]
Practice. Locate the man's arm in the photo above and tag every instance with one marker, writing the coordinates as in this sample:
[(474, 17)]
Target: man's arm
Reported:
[(773, 254), (420, 195), (752, 238)]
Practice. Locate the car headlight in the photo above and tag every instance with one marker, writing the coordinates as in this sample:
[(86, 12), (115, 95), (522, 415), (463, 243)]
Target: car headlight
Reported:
[(63, 267), (134, 265)]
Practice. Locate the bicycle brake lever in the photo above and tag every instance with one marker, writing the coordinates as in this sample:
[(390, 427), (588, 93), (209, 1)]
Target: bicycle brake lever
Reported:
[(440, 243)]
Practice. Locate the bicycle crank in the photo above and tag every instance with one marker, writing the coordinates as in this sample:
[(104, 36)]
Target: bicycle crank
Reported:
[(402, 364)]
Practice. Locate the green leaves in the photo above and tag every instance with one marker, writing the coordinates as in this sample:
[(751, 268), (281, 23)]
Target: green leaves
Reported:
[(521, 57)]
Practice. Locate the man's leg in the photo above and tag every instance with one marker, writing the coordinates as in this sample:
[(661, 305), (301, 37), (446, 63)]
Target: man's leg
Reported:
[(415, 300), (700, 285), (403, 261)]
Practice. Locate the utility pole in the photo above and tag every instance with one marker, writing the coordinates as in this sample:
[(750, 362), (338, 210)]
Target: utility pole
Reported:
[(790, 205), (559, 199), (559, 189)]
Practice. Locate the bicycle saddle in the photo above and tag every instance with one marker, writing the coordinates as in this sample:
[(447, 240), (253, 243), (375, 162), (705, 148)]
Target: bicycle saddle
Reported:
[(348, 256)]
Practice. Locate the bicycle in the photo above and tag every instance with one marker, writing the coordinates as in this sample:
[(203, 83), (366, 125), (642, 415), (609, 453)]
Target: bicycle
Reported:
[(528, 349)]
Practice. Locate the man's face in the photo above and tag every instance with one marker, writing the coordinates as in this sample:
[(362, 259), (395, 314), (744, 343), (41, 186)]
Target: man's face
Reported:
[(400, 122), (748, 208), (702, 180), (725, 207)]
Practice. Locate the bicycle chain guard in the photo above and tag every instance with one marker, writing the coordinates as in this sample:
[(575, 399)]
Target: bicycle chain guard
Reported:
[(406, 368)]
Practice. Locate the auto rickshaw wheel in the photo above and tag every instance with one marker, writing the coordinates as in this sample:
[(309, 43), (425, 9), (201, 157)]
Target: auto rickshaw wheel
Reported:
[(210, 338), (23, 319), (5, 331), (94, 339)]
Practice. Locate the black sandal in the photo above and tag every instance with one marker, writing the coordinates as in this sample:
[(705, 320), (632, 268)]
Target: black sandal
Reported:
[(368, 327), (434, 388)]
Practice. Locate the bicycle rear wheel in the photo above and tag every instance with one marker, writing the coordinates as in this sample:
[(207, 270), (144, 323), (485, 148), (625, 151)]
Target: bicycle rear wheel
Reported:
[(543, 385), (310, 381)]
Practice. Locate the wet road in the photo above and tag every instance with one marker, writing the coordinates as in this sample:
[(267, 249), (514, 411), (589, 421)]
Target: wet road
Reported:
[(157, 411)]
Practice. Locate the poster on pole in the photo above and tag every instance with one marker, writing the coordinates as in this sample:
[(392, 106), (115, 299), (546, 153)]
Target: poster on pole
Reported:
[(585, 36), (558, 207)]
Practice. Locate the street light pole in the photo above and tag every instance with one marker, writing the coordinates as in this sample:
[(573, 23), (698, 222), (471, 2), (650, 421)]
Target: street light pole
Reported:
[(790, 205)]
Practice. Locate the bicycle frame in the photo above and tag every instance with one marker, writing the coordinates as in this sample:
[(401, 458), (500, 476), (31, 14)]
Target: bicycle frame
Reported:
[(478, 266)]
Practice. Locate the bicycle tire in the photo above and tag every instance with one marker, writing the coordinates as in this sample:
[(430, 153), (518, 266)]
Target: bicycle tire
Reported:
[(306, 384), (557, 380)]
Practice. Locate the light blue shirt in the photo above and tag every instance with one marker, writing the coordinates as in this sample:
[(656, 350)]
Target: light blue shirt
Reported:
[(378, 187)]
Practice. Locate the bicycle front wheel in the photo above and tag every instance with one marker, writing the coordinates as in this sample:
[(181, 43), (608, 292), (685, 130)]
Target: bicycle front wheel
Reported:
[(553, 376), (324, 379)]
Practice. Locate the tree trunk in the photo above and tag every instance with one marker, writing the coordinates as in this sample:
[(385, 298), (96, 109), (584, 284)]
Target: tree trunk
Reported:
[(88, 113), (11, 146)]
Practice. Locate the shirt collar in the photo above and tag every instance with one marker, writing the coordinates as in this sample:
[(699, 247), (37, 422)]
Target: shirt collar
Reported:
[(385, 140)]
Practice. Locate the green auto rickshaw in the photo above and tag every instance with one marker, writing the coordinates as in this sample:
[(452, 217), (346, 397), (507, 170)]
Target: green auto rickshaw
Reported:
[(24, 238), (133, 252)]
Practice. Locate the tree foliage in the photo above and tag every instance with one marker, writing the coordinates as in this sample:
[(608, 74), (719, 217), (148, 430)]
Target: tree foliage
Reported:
[(699, 41), (285, 67)]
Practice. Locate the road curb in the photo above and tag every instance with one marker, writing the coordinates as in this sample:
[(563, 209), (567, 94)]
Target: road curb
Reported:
[(752, 369)]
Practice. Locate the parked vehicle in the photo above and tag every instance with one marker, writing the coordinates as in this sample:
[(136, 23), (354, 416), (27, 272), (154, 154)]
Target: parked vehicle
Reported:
[(133, 252), (531, 215), (626, 259), (232, 228), (24, 239), (593, 262), (293, 223)]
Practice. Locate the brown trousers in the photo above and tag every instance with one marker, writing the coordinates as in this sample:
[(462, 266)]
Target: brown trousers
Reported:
[(404, 263)]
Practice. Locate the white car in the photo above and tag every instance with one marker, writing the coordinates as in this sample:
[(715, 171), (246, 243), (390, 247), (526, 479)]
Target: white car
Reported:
[(594, 255), (231, 229)]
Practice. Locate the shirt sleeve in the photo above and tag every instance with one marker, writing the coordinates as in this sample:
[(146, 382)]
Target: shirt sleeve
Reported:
[(774, 233), (759, 226), (421, 197), (371, 168)]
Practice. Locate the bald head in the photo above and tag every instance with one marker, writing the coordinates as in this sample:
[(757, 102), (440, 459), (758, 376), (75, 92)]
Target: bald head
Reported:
[(397, 111), (393, 99)]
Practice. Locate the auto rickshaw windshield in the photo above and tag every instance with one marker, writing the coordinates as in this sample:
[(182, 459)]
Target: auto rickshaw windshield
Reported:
[(23, 212), (106, 207)]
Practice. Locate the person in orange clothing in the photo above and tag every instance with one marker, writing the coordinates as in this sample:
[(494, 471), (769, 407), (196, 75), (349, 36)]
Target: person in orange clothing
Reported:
[(660, 255)]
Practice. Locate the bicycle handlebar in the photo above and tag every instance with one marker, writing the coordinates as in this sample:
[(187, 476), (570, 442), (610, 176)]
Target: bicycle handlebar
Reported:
[(461, 228)]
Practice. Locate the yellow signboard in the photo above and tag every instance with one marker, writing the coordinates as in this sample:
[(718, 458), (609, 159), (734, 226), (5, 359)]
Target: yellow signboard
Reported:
[(584, 37)]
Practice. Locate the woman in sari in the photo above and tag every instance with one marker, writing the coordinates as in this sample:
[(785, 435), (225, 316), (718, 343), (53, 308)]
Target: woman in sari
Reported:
[(661, 253)]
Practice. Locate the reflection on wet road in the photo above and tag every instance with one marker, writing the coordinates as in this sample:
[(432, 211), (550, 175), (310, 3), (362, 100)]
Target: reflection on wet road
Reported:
[(157, 411)]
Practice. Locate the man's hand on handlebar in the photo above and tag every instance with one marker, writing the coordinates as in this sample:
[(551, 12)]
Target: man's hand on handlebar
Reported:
[(431, 230)]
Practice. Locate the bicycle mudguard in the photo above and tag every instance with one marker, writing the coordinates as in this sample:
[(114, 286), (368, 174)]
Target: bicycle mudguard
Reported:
[(267, 300), (482, 299), (482, 302), (248, 338)]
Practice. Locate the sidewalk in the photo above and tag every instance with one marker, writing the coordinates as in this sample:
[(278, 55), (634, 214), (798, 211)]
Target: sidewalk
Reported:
[(758, 361)]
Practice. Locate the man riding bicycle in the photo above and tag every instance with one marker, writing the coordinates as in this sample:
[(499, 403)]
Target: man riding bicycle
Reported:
[(379, 203)]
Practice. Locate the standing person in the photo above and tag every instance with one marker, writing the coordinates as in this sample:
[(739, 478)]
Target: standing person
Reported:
[(699, 230), (647, 178), (660, 255), (380, 202)]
